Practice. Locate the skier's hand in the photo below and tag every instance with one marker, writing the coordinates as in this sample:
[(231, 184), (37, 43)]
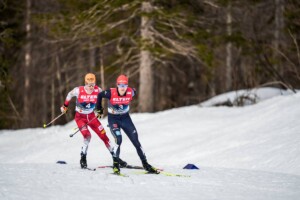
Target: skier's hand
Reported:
[(134, 91), (99, 113), (64, 108)]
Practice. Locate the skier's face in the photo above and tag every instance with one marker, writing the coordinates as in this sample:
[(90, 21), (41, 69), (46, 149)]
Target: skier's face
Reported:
[(122, 89), (90, 87)]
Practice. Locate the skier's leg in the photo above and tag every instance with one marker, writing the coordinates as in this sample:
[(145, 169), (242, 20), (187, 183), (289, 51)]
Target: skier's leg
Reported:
[(86, 135), (132, 134), (116, 132), (100, 131), (86, 138)]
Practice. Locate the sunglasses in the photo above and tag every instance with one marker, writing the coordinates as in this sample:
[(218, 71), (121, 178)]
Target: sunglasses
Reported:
[(122, 85), (91, 85)]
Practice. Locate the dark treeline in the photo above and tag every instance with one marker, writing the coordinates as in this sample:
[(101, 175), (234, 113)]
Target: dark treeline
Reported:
[(175, 52)]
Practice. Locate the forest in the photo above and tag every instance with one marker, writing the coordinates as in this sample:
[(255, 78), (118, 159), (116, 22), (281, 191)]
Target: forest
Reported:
[(175, 52)]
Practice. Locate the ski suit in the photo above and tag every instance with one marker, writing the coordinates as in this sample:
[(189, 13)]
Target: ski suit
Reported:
[(118, 118), (85, 104)]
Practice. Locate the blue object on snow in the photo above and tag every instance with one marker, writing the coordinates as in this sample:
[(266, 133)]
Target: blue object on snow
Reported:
[(61, 162), (190, 166)]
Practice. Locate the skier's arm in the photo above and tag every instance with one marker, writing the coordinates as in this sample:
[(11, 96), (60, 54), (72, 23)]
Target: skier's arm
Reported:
[(71, 94), (104, 94)]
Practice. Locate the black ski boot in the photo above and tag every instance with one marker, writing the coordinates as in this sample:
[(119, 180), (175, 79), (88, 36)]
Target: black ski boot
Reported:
[(116, 165), (149, 168), (83, 163), (122, 163)]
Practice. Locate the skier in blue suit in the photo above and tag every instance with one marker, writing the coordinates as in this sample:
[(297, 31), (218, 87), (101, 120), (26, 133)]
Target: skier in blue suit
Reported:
[(119, 118)]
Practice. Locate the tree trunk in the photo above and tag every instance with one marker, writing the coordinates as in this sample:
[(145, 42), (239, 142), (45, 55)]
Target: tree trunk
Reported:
[(102, 70), (44, 99), (279, 23), (52, 99), (91, 52), (229, 49), (27, 58), (146, 77)]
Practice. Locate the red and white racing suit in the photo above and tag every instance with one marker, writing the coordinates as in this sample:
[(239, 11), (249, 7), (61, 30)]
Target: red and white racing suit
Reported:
[(85, 104)]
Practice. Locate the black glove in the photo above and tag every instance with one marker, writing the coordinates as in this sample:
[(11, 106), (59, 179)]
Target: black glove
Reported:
[(99, 113)]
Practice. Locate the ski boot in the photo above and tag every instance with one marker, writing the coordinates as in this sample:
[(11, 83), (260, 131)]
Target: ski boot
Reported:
[(122, 163), (149, 168), (116, 166), (83, 163)]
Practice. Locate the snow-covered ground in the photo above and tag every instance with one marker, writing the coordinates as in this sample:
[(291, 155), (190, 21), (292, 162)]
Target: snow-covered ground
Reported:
[(248, 152)]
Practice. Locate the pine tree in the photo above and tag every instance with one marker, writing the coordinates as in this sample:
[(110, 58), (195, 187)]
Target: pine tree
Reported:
[(145, 34)]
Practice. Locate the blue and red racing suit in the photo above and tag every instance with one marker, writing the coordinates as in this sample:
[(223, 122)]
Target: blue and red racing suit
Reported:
[(119, 118)]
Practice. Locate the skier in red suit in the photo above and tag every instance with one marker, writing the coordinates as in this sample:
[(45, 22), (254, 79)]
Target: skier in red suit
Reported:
[(86, 98)]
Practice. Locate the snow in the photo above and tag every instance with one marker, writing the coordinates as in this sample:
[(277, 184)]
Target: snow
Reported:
[(249, 152), (259, 94)]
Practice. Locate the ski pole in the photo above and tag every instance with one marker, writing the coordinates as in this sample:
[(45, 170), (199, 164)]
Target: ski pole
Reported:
[(79, 129), (46, 125)]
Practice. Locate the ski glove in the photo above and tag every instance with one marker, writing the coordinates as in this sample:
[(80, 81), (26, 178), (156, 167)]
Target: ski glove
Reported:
[(99, 113), (64, 108), (134, 90)]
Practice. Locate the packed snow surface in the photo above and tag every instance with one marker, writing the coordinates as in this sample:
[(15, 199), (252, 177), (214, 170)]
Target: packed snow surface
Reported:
[(249, 152)]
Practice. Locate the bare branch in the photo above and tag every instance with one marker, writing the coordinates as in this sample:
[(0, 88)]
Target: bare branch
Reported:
[(277, 82), (296, 44), (14, 107), (182, 48), (211, 4)]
